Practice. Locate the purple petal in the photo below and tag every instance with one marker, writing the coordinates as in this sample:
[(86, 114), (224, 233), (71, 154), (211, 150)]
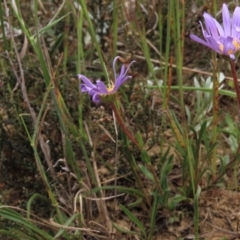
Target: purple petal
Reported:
[(210, 42), (94, 91), (205, 33), (122, 71), (128, 67), (86, 81), (121, 75), (219, 28), (224, 40), (101, 87), (114, 66), (96, 98), (236, 23), (120, 83), (84, 88), (210, 25), (226, 20), (232, 56), (213, 44), (198, 39), (122, 78), (229, 48)]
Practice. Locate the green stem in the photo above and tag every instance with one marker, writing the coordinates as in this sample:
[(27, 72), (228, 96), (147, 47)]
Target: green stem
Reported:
[(215, 113)]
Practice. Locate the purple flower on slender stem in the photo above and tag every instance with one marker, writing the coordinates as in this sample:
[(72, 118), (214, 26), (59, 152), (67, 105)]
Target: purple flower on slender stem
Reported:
[(222, 39), (99, 90)]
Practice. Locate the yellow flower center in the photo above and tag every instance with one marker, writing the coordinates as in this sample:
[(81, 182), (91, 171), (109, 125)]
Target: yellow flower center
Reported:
[(235, 43), (110, 86), (221, 47)]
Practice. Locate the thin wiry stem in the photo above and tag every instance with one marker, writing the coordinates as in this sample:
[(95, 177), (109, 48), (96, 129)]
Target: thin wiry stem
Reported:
[(132, 138), (215, 99), (121, 123), (236, 85)]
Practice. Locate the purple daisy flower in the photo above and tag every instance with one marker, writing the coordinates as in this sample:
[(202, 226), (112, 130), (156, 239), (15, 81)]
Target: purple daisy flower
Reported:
[(100, 90), (222, 39)]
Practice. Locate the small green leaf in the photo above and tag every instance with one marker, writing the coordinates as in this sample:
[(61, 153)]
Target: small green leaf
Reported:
[(146, 172), (134, 219)]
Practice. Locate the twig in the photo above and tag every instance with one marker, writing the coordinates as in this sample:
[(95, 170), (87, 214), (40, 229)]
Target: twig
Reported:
[(103, 210), (175, 66)]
